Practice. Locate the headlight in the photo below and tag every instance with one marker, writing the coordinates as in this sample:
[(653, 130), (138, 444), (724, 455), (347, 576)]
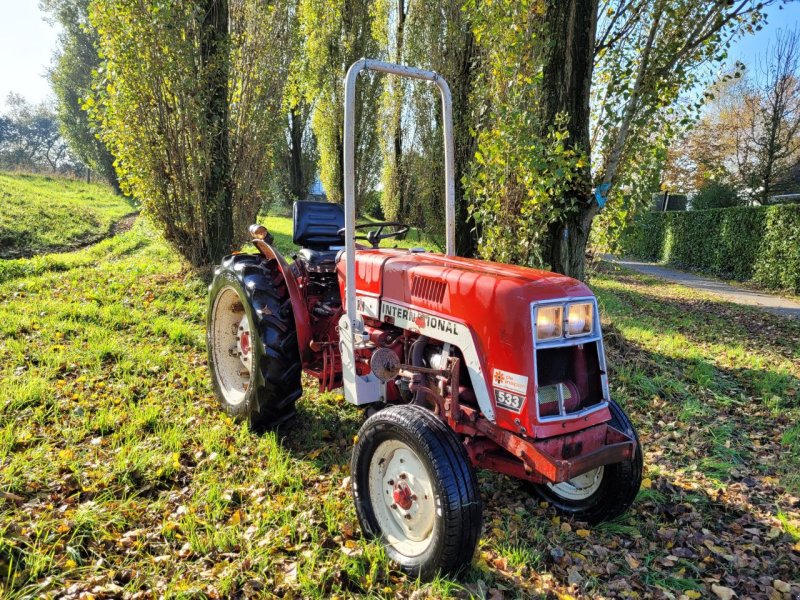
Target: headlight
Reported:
[(580, 318), (549, 320)]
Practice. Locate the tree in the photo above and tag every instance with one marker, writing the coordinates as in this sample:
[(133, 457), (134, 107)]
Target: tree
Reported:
[(768, 144), (297, 167), (30, 138), (262, 50), (301, 152), (747, 135), (71, 76), (647, 54), (435, 36), (716, 194), (517, 183), (620, 65), (188, 98), (395, 90), (337, 33)]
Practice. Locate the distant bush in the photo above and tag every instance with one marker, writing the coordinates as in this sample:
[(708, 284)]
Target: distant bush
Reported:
[(760, 244), (716, 194)]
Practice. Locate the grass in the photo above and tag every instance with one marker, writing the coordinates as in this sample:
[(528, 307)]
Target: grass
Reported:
[(119, 474), (48, 214), (281, 229)]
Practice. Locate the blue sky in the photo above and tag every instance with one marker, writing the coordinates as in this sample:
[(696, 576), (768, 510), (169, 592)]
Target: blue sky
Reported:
[(781, 17), (27, 43)]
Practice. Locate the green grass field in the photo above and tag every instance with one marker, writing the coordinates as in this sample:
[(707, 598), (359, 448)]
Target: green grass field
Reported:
[(118, 475), (49, 214)]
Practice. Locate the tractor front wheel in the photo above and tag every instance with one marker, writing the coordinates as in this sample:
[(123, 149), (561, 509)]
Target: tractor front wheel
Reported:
[(602, 493), (415, 490), (252, 342)]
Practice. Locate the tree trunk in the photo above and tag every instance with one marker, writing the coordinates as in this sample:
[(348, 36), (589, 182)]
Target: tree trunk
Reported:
[(568, 239), (297, 183), (566, 87), (397, 156), (218, 190), (465, 143)]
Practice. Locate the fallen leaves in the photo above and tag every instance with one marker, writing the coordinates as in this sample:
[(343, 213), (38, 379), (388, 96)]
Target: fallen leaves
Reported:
[(633, 563), (722, 592)]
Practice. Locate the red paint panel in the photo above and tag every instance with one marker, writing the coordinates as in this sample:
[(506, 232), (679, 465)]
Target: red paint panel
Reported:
[(493, 299)]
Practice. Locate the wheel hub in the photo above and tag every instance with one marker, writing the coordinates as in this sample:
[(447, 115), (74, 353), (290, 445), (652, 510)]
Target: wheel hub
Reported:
[(402, 497), (231, 345), (580, 487), (243, 344)]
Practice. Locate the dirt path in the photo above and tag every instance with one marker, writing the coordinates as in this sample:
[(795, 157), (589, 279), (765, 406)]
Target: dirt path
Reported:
[(739, 295), (121, 226)]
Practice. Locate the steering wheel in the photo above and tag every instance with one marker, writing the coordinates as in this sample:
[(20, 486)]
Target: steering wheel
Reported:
[(375, 236)]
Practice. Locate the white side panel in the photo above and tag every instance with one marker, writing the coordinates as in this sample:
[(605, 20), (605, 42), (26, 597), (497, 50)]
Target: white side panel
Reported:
[(449, 331), (369, 306), (357, 389)]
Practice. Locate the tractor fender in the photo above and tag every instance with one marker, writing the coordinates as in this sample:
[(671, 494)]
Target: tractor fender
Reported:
[(299, 309)]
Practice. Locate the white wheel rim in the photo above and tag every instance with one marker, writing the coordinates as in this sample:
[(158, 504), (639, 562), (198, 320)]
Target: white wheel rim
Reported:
[(580, 487), (231, 345), (402, 498)]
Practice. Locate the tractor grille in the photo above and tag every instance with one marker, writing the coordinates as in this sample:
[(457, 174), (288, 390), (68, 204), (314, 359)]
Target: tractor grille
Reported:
[(428, 289), (553, 399)]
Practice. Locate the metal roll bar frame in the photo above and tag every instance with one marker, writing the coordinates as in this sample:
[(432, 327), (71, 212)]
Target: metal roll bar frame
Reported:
[(356, 68)]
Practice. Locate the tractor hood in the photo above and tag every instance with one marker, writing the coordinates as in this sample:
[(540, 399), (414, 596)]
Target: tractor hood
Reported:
[(456, 285), (482, 307)]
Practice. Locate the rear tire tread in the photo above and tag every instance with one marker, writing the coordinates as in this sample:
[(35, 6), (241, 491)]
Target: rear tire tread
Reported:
[(277, 377)]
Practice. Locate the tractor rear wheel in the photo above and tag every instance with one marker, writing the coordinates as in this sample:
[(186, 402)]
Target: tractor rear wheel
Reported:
[(252, 342), (415, 490), (602, 493)]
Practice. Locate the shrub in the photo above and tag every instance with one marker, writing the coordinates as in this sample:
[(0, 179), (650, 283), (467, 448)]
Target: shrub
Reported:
[(716, 194), (762, 243)]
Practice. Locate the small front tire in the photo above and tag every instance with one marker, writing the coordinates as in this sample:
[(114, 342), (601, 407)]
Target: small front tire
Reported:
[(605, 492), (415, 490)]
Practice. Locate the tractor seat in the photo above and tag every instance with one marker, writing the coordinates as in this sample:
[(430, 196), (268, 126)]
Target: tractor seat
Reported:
[(319, 261), (317, 224), (316, 231)]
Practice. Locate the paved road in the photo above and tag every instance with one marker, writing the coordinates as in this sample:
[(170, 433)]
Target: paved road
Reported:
[(767, 302)]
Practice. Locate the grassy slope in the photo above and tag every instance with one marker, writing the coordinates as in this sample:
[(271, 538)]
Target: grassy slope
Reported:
[(118, 470), (46, 214)]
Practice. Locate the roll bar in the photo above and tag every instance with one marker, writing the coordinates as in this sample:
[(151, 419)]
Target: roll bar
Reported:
[(366, 64)]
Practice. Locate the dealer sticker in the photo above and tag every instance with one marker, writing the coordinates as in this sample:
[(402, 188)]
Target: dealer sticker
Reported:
[(509, 390), (510, 381)]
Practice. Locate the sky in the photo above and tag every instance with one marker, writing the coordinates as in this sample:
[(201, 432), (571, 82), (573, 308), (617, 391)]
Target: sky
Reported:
[(748, 48), (27, 44)]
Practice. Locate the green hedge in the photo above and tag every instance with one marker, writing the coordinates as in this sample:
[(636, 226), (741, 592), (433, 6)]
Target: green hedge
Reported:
[(760, 244)]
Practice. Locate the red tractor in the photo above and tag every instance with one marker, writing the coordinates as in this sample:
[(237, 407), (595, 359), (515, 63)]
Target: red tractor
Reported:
[(460, 364)]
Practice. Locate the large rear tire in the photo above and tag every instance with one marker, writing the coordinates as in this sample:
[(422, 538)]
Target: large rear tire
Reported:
[(415, 490), (252, 342), (605, 492)]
